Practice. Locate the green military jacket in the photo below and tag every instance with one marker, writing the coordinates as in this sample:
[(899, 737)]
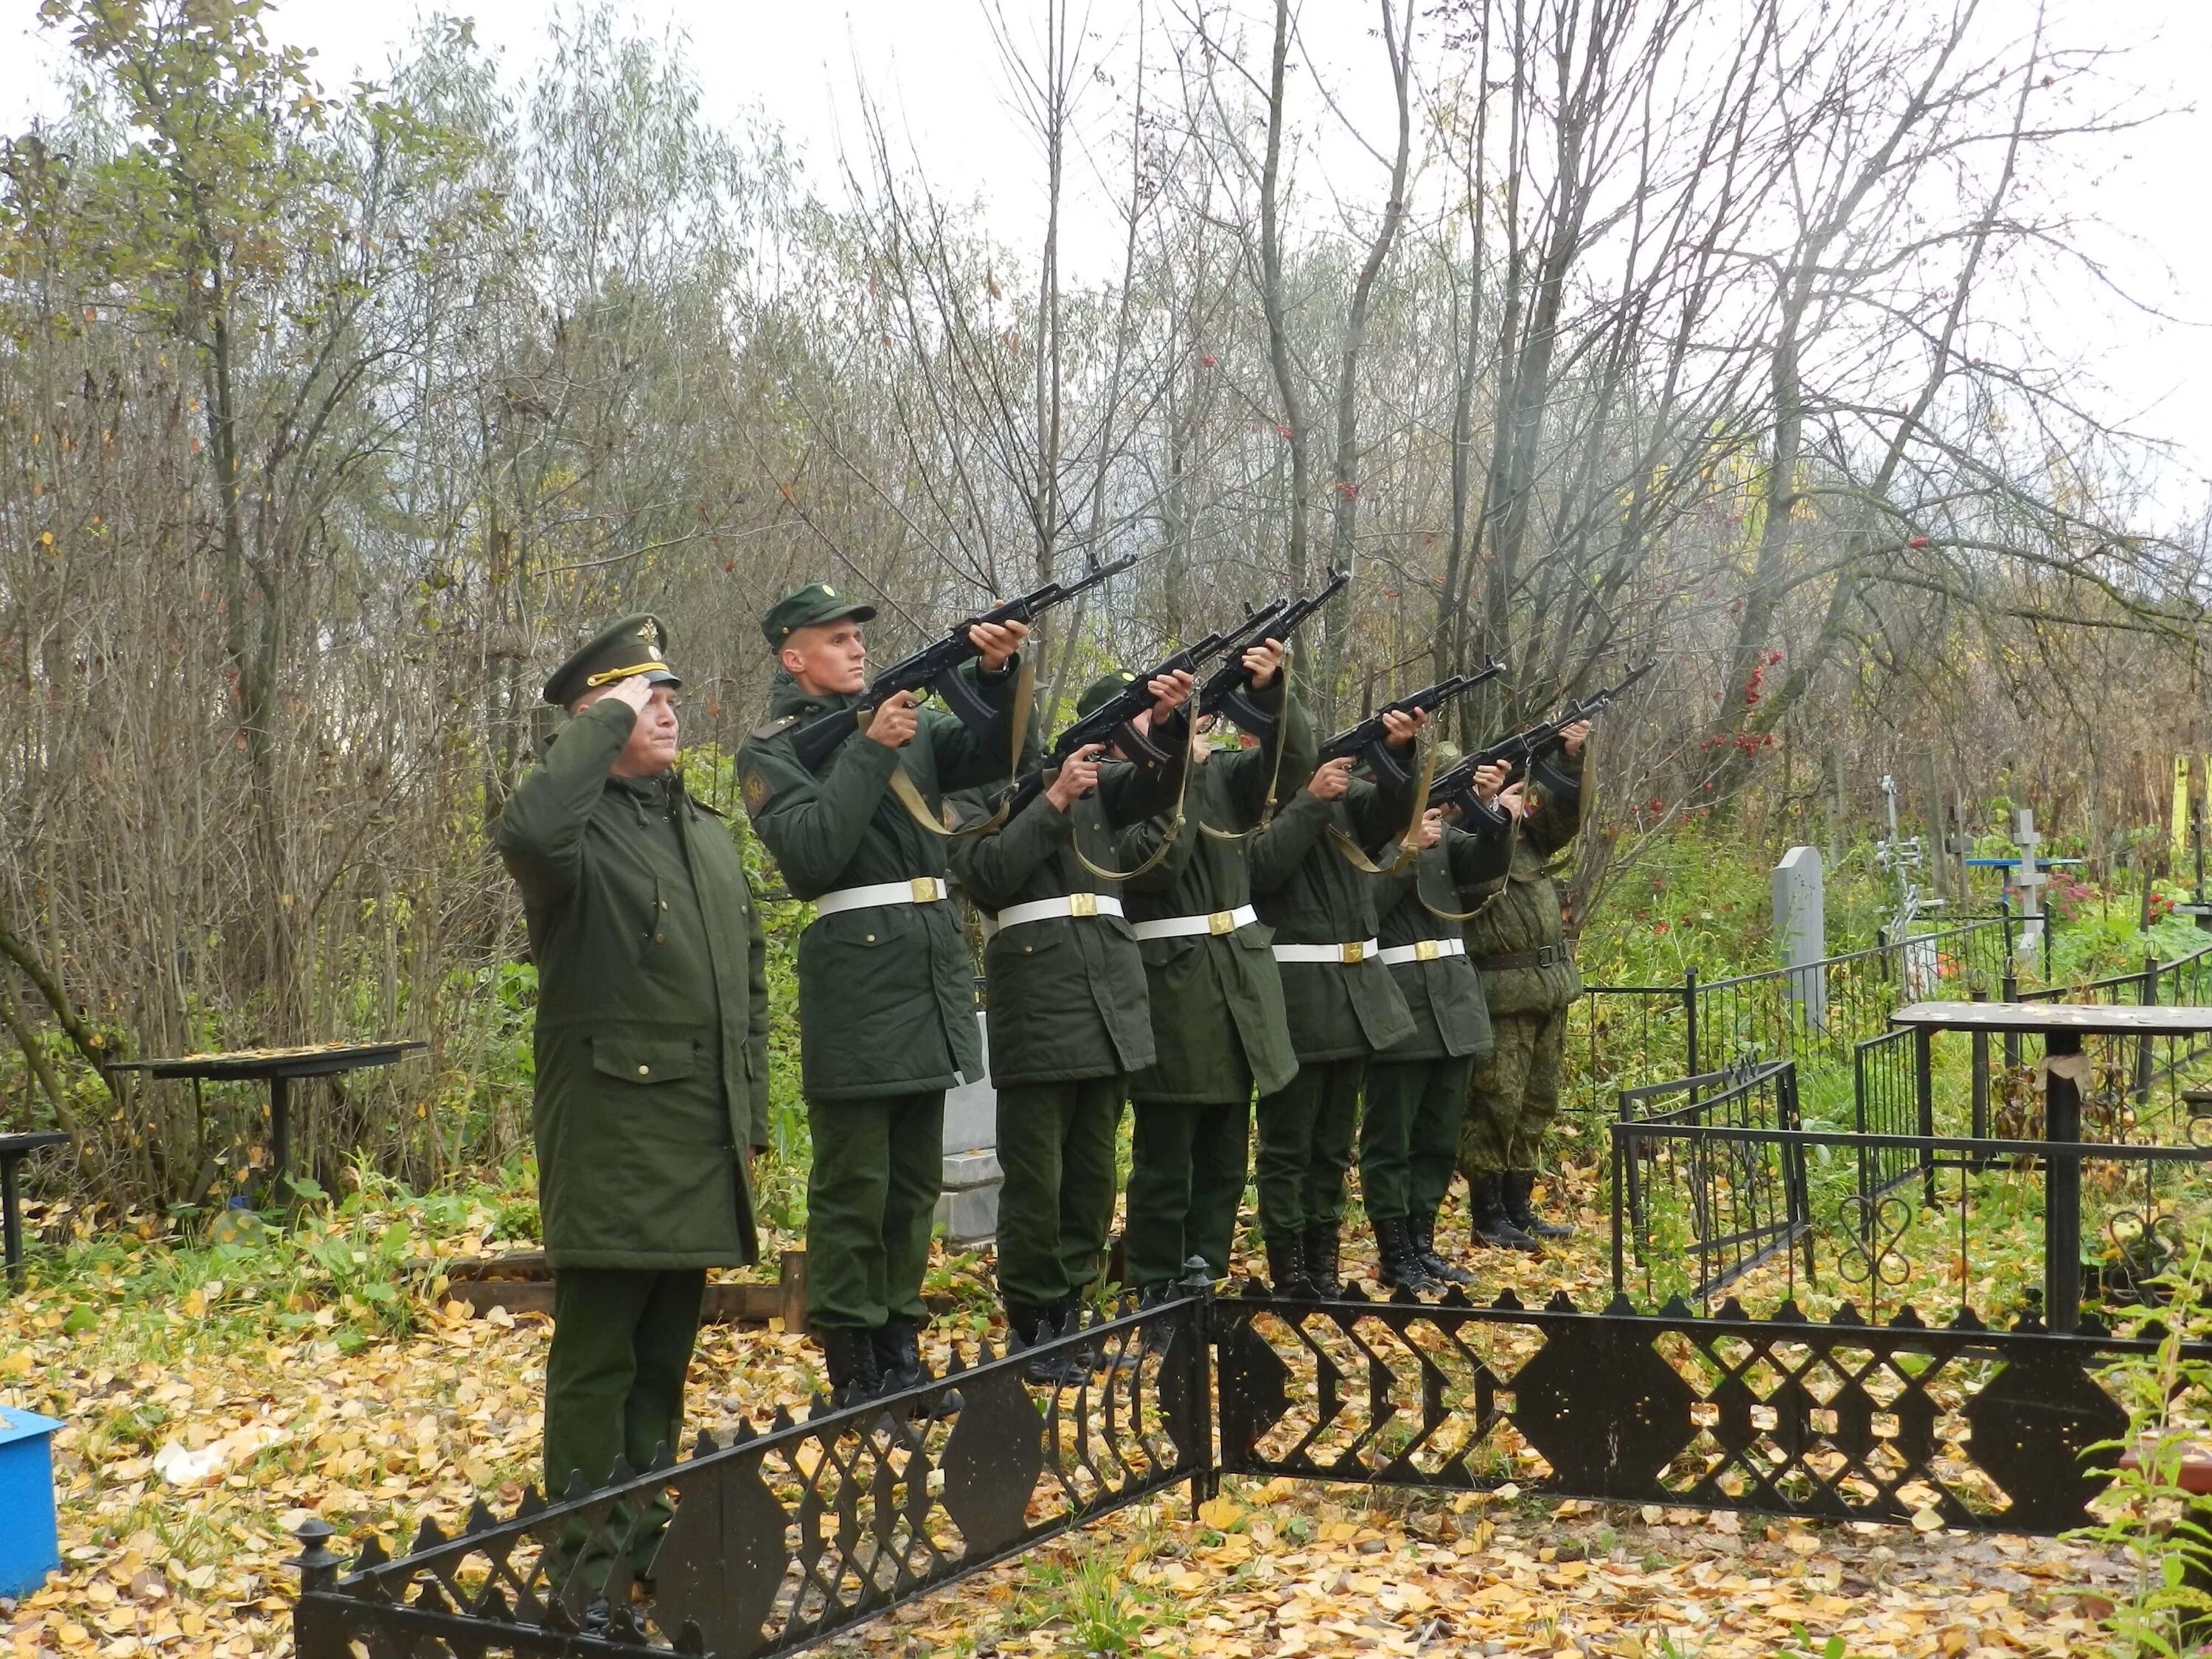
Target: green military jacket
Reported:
[(1218, 1026), (886, 994), (1310, 894), (652, 1027), (1523, 912), (1067, 994), (1443, 993)]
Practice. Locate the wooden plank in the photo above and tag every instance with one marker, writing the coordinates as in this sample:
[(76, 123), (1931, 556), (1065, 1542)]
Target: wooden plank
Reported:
[(2088, 1018)]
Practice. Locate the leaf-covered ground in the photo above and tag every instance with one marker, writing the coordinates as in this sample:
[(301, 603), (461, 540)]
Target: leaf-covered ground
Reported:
[(214, 1396)]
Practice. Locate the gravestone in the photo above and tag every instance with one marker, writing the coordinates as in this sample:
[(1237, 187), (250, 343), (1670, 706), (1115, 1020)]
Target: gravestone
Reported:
[(1801, 931), (2030, 881), (967, 1210)]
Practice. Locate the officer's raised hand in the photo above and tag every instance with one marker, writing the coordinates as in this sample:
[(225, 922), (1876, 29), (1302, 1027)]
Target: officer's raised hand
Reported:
[(1574, 737), (895, 720), (1332, 781), (637, 691), (1263, 661), (1171, 691), (1078, 777), (1402, 725), (996, 641)]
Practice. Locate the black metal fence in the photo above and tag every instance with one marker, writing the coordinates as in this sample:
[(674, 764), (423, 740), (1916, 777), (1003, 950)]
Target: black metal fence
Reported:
[(1633, 1035), (775, 1542)]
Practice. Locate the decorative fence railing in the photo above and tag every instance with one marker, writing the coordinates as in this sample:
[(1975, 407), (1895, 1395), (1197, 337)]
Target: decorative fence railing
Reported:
[(775, 1542), (1633, 1035)]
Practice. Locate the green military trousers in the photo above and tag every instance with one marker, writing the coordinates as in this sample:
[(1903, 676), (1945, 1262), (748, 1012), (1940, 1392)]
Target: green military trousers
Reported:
[(1306, 1131), (1409, 1134), (1514, 1095), (1056, 1149), (614, 1388), (1187, 1167), (871, 1199)]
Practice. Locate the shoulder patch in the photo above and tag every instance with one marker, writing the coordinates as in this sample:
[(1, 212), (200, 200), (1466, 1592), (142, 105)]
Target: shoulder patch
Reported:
[(776, 727), (755, 789)]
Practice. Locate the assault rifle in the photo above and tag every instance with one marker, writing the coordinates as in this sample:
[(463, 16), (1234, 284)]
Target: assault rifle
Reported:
[(1229, 689), (936, 667), (1106, 723), (1371, 736), (1523, 749)]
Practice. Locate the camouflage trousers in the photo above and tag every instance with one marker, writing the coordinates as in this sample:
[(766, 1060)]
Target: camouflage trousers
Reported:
[(1514, 1095)]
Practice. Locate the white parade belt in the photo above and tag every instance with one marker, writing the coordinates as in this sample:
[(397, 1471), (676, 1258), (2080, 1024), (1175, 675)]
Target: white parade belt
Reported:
[(923, 890), (1423, 950), (1051, 909), (1217, 923), (1358, 950)]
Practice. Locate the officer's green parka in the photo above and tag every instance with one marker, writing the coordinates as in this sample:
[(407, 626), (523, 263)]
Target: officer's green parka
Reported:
[(885, 991), (1526, 914), (651, 1039), (1205, 871)]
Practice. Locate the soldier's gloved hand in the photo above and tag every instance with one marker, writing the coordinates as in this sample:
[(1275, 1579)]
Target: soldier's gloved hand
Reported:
[(1487, 779), (1515, 801), (1264, 660), (1402, 725), (997, 641), (1574, 737), (1332, 781), (1171, 691), (1432, 825), (1078, 777), (637, 691), (896, 721)]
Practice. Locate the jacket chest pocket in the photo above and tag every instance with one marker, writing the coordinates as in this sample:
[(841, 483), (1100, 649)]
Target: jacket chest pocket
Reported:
[(645, 1060)]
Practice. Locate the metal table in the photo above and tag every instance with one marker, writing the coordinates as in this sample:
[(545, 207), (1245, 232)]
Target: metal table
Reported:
[(278, 1066), (14, 1149), (2062, 1026)]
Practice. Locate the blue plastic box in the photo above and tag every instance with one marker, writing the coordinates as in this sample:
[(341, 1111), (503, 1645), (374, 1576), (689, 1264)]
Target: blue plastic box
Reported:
[(30, 1546)]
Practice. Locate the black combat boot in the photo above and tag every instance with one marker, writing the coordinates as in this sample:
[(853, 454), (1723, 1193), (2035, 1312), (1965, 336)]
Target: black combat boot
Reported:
[(1487, 1217), (1286, 1267), (1423, 1230), (1401, 1262), (1319, 1249), (1515, 1192), (898, 1355), (850, 1359), (1068, 1319), (1032, 1327)]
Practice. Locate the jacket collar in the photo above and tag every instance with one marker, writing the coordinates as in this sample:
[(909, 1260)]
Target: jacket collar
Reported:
[(786, 698)]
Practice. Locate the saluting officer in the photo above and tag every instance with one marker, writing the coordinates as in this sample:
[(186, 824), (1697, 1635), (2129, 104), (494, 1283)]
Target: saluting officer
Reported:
[(1217, 998), (1066, 987), (1416, 1088), (1529, 981), (1343, 1005), (652, 1050), (886, 1004)]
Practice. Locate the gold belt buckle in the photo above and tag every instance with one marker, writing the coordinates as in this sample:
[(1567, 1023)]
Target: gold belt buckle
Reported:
[(1425, 950), (1221, 922), (1083, 905), (1355, 951), (924, 889)]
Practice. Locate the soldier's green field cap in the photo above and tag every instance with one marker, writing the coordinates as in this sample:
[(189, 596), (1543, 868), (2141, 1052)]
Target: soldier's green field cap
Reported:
[(1106, 686), (635, 645), (815, 602)]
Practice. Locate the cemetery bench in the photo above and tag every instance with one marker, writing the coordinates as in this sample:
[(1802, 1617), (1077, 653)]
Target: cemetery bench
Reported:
[(14, 1149), (278, 1067), (2062, 1026)]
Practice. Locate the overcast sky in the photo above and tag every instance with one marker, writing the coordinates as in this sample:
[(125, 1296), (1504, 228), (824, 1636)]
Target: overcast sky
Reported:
[(932, 63)]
